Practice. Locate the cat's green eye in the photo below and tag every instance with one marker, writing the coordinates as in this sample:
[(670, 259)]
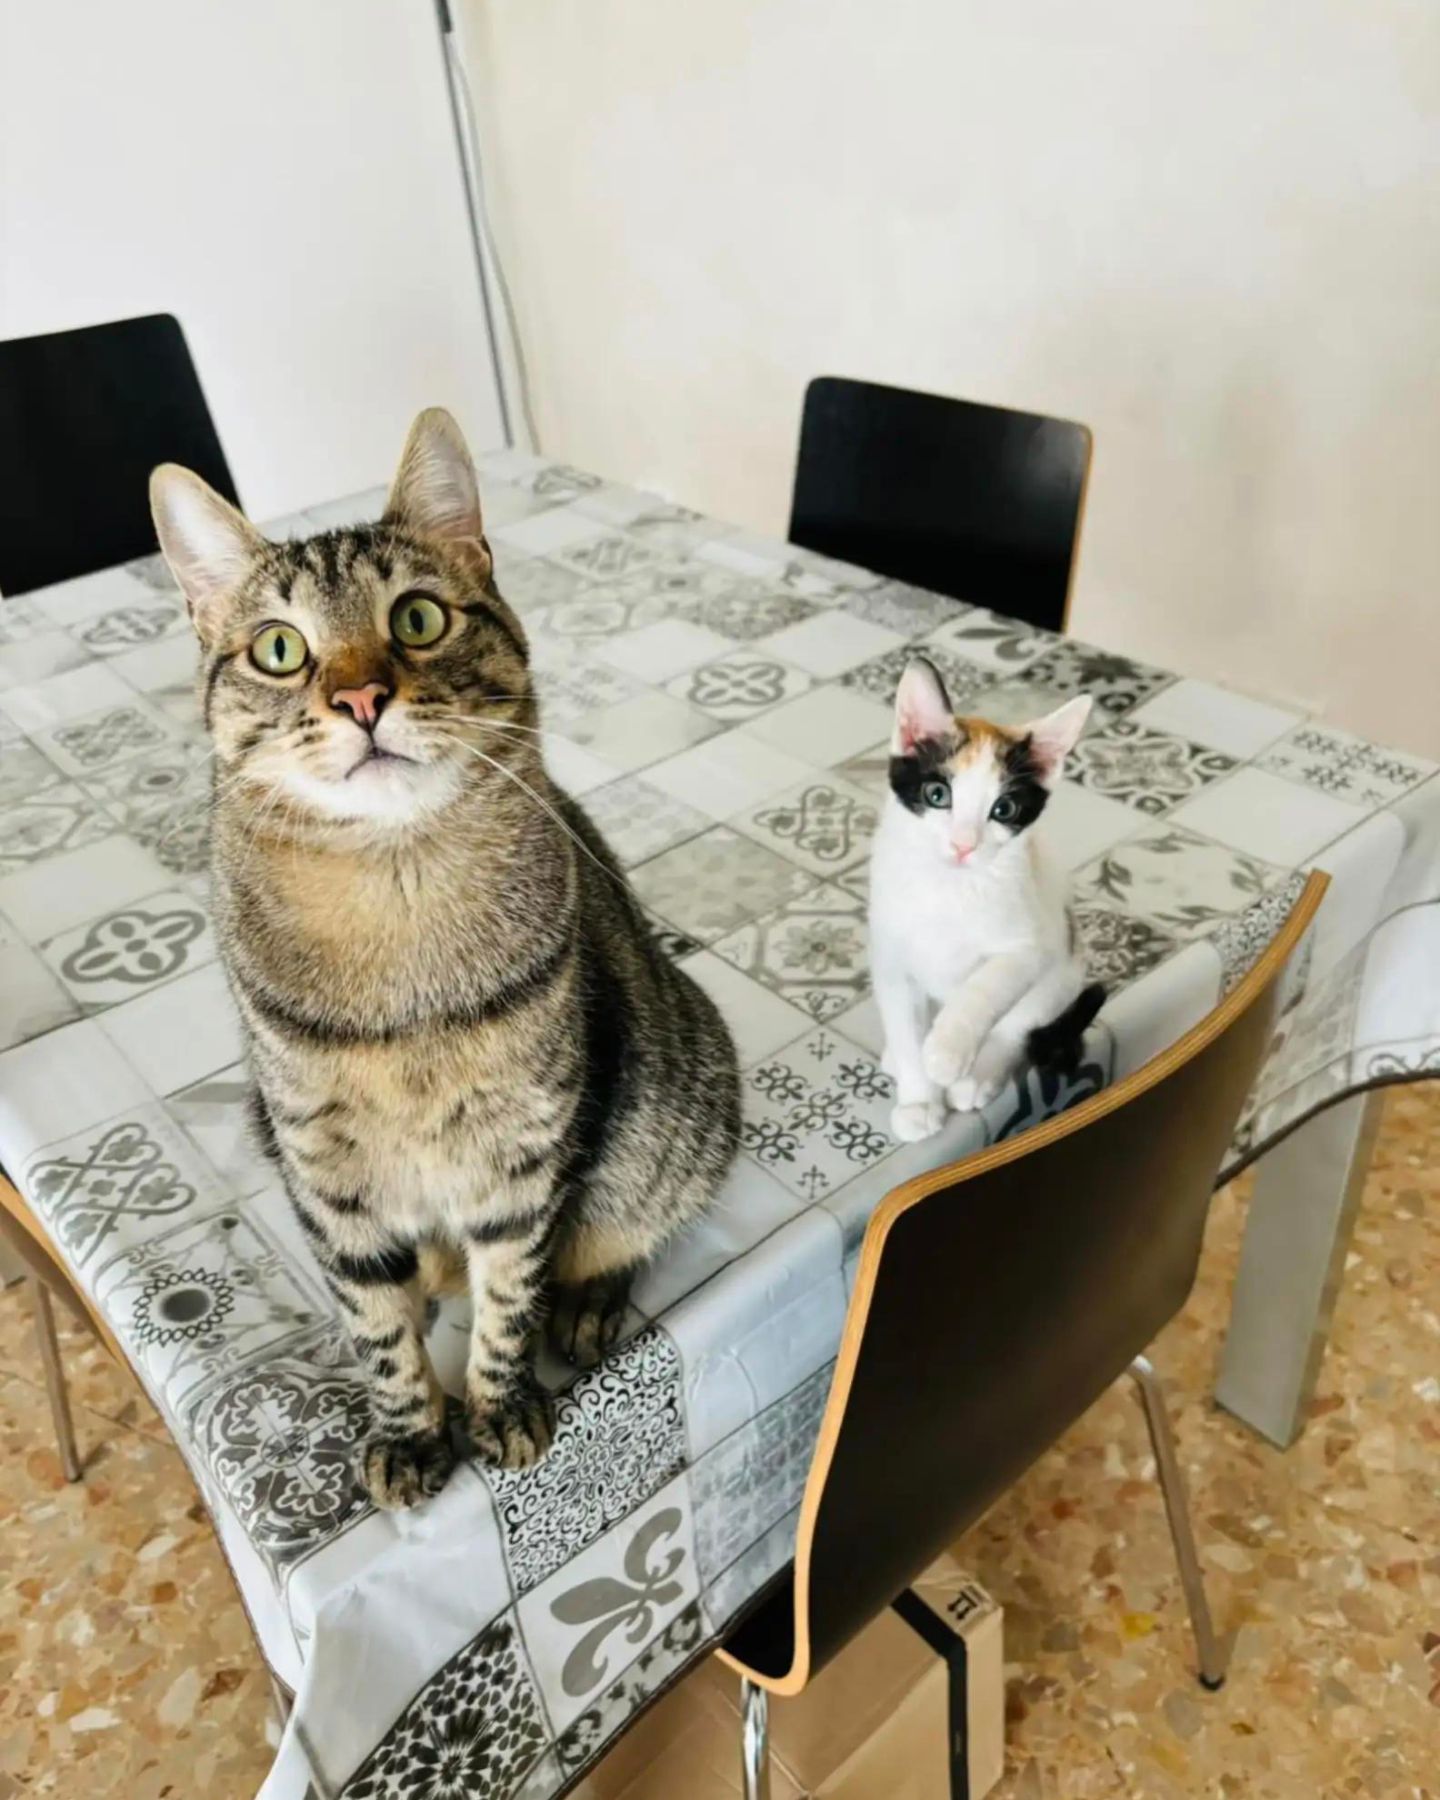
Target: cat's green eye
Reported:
[(417, 620), (1004, 811), (936, 793), (279, 650)]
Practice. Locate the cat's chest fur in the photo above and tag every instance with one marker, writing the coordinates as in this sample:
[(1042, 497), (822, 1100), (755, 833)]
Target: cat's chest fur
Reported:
[(427, 1114)]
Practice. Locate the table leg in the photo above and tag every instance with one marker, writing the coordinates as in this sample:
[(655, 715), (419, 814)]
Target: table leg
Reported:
[(1307, 1192)]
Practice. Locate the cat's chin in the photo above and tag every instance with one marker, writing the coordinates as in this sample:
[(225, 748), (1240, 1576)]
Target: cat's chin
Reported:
[(382, 791)]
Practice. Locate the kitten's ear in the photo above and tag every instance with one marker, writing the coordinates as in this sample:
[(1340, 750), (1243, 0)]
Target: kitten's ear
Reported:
[(435, 493), (206, 542), (922, 707), (1056, 735)]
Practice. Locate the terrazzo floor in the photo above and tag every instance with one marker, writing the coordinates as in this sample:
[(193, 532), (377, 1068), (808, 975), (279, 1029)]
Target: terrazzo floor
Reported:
[(126, 1667)]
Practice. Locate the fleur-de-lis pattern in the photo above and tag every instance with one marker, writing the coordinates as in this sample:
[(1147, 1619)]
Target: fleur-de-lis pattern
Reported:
[(682, 670)]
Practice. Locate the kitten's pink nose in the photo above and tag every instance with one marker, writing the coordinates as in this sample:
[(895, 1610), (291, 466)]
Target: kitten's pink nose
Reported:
[(962, 849), (364, 704)]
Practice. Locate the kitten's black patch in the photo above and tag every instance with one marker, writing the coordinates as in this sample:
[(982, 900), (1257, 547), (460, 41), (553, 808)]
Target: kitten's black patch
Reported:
[(1023, 785), (1055, 1049), (908, 774)]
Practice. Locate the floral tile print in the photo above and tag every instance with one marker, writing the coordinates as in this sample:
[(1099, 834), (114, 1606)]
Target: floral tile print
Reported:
[(1177, 880), (1117, 946), (571, 690), (281, 1441), (528, 586), (198, 1302), (597, 613), (1240, 939), (55, 817), (85, 745), (817, 1113), (619, 1436), (604, 1606), (739, 686), (1116, 682), (909, 610), (754, 1477), (1149, 770), (964, 681), (824, 824), (638, 821), (812, 951), (24, 771), (1345, 766), (612, 1709), (703, 593), (215, 1113), (113, 1184), (1002, 644), (476, 1728), (557, 482), (127, 626), (604, 558), (714, 882), (163, 801), (131, 950)]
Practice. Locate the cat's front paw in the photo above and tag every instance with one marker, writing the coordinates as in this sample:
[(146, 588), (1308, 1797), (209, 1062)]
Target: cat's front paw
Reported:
[(516, 1431), (398, 1470), (972, 1093), (920, 1119), (947, 1055)]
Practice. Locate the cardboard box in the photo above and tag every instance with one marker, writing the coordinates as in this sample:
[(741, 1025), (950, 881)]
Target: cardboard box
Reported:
[(904, 1713)]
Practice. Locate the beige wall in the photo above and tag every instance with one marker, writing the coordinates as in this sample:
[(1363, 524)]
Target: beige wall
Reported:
[(1209, 228)]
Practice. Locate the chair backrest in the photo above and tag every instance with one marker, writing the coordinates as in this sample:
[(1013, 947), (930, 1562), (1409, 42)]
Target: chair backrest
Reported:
[(973, 501), (996, 1300), (84, 417)]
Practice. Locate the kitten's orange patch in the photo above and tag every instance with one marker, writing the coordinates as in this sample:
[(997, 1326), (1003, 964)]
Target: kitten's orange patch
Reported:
[(979, 739)]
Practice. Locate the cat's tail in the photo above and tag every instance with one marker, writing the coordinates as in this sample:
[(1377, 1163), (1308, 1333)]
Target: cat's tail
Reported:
[(1055, 1048)]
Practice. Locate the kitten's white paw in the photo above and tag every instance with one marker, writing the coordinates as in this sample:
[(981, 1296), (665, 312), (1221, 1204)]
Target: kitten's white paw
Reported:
[(971, 1094), (920, 1119), (945, 1058)]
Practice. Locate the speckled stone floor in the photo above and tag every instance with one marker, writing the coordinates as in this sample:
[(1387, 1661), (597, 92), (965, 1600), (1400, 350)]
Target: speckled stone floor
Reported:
[(126, 1667)]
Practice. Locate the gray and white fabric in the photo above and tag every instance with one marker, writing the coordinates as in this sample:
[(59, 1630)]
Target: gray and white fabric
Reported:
[(721, 702)]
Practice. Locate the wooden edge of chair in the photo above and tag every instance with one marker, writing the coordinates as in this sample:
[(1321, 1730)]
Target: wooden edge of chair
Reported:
[(899, 1201), (1075, 542), (45, 1266)]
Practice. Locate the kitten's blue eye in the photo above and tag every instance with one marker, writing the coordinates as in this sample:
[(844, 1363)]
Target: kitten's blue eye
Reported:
[(1005, 810), (936, 793), (279, 650), (417, 620)]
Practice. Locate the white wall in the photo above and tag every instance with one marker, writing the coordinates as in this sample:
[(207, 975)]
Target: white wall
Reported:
[(1209, 228), (280, 175)]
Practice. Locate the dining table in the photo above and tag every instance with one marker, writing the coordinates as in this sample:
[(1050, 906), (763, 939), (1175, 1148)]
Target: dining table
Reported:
[(720, 703)]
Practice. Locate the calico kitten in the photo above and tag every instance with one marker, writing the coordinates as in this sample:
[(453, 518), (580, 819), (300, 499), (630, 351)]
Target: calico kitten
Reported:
[(465, 1040), (965, 913)]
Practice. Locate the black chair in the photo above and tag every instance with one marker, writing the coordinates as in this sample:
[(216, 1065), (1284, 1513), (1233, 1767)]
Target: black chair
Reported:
[(84, 417), (973, 501), (996, 1299)]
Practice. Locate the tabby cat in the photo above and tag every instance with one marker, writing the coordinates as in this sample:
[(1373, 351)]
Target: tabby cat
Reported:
[(466, 1042)]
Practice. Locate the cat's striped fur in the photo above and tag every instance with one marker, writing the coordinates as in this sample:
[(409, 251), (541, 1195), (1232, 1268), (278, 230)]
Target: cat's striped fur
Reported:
[(465, 1041)]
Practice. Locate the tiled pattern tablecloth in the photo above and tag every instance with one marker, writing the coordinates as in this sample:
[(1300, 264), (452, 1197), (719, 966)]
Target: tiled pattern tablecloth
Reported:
[(721, 704)]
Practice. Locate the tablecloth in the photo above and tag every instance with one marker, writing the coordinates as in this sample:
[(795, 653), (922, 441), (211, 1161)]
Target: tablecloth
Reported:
[(721, 704)]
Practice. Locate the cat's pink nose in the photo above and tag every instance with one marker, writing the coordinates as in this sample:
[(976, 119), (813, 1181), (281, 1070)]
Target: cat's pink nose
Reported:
[(962, 849), (364, 704)]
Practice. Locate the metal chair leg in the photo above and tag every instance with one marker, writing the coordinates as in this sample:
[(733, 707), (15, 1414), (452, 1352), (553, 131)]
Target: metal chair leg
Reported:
[(55, 1379), (1213, 1661), (755, 1739)]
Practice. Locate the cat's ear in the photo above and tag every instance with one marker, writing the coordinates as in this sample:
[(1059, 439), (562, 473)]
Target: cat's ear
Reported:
[(207, 543), (922, 708), (435, 494), (1056, 735)]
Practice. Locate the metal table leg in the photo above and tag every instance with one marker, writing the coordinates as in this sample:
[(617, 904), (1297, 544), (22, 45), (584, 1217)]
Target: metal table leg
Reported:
[(1307, 1192)]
